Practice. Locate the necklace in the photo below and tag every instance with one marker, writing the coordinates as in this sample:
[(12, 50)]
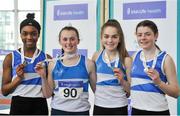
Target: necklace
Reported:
[(146, 67), (109, 62)]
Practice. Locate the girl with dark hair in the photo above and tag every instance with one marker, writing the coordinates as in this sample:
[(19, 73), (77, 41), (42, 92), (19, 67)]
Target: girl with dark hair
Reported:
[(153, 74), (19, 77)]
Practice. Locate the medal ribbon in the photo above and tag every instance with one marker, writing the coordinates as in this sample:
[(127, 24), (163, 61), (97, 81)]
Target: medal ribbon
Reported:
[(109, 62), (23, 59), (146, 67)]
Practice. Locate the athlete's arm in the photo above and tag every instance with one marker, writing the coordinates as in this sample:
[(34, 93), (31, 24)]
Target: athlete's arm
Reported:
[(8, 86), (171, 88), (92, 74), (47, 81), (125, 84)]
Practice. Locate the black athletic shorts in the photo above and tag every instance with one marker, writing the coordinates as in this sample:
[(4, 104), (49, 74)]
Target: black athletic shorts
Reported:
[(28, 106)]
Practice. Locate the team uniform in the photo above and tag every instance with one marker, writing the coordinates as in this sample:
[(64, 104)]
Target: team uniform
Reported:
[(146, 97), (110, 98), (71, 88), (27, 98)]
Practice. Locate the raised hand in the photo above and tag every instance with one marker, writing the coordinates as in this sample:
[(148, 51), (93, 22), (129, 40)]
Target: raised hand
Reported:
[(20, 71), (154, 75), (40, 69), (118, 73)]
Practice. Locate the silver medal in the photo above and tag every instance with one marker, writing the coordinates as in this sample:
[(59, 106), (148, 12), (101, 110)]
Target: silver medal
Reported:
[(25, 63)]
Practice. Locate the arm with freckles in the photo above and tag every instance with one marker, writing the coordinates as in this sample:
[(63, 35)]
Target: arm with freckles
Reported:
[(171, 88)]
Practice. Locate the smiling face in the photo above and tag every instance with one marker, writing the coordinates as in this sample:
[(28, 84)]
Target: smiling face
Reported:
[(29, 36), (146, 37), (69, 41), (110, 38)]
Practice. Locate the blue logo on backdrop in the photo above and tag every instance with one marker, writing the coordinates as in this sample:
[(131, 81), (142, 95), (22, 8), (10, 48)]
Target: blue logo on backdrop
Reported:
[(144, 10), (71, 12)]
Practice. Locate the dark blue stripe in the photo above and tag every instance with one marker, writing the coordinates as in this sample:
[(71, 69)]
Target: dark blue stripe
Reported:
[(150, 87), (140, 76), (85, 87), (35, 81), (113, 82), (146, 77)]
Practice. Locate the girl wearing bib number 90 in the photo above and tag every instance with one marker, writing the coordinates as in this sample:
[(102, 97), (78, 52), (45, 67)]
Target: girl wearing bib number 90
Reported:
[(69, 77)]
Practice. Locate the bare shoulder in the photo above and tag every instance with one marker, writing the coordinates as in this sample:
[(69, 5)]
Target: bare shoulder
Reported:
[(96, 54), (90, 65), (134, 55), (7, 60), (128, 60), (169, 65), (90, 62), (169, 60)]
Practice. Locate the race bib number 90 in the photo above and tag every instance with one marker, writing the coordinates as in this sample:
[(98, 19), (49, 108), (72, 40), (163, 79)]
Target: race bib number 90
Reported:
[(70, 89)]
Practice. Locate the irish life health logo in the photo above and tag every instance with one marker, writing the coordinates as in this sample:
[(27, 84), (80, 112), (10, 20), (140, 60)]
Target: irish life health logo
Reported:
[(144, 10)]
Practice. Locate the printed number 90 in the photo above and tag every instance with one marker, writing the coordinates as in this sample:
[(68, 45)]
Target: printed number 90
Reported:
[(70, 92)]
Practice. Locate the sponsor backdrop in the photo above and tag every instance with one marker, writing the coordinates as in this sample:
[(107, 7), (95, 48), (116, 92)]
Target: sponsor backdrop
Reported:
[(84, 15), (81, 14), (162, 12)]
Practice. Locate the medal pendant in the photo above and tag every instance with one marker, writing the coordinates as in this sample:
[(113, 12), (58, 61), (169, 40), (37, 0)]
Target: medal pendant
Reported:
[(44, 63), (146, 69), (25, 63), (112, 68)]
